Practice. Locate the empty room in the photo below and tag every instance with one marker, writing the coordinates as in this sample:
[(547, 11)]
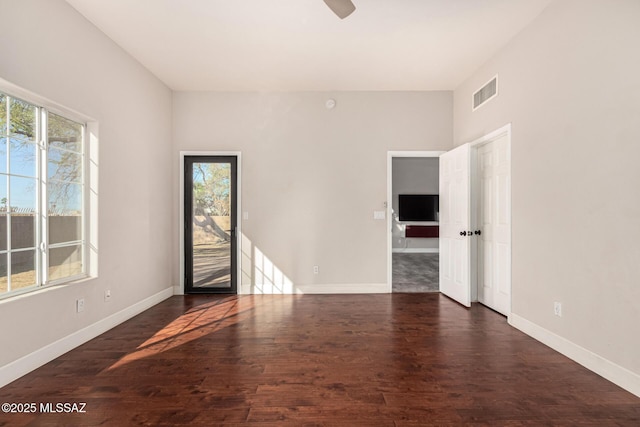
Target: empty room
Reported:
[(319, 212)]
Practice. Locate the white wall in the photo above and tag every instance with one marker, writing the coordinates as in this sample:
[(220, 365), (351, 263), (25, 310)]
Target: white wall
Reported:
[(413, 175), (49, 49), (570, 86), (312, 177)]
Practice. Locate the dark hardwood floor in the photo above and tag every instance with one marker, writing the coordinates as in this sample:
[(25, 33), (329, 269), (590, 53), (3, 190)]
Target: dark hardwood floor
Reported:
[(341, 360)]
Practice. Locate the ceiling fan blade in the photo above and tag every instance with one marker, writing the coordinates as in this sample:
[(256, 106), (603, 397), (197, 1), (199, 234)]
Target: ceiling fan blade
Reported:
[(342, 8)]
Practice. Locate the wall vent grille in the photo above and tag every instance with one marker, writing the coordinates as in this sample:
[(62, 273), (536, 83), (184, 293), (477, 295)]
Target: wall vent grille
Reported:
[(485, 93)]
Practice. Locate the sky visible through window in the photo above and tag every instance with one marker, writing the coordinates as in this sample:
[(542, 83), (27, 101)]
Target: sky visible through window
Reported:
[(26, 171), (18, 172), (23, 163)]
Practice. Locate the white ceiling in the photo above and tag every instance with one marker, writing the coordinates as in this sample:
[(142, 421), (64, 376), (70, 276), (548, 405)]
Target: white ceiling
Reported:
[(300, 45)]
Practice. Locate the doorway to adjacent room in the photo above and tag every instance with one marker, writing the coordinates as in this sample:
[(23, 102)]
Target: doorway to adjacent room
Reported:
[(413, 259)]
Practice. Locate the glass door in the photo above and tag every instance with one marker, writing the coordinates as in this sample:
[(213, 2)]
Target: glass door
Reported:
[(210, 224)]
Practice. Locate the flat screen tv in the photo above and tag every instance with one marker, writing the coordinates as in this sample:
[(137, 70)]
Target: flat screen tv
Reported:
[(418, 207)]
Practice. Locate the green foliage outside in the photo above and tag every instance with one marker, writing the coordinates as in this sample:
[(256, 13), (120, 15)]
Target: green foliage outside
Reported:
[(211, 189), (18, 121)]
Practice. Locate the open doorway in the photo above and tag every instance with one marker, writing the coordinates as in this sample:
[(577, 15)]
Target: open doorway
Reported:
[(412, 187)]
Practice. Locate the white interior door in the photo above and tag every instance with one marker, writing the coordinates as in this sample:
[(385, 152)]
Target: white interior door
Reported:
[(454, 221), (494, 220)]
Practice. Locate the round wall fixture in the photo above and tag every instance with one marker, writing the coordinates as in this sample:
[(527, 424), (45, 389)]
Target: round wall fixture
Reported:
[(330, 104)]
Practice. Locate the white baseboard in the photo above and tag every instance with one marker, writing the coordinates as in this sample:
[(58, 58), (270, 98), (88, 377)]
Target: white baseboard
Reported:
[(416, 250), (14, 370), (618, 375), (366, 288)]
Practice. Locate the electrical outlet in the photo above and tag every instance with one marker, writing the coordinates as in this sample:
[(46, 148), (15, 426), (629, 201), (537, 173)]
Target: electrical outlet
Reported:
[(316, 269), (80, 305), (107, 295), (557, 308)]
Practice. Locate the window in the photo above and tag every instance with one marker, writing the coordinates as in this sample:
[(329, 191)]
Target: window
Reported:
[(42, 197)]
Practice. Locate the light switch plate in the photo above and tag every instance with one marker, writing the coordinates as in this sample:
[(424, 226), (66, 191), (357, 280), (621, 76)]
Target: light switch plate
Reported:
[(378, 215)]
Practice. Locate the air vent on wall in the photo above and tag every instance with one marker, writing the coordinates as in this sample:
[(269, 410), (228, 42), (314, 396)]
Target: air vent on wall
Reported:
[(485, 93)]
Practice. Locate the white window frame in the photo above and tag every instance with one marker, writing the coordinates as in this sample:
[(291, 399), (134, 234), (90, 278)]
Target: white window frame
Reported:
[(89, 152)]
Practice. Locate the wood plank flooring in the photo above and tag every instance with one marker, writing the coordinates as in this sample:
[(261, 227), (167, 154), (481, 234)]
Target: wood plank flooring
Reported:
[(313, 360)]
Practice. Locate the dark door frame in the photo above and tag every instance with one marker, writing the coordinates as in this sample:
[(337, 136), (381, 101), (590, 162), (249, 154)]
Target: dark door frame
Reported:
[(187, 160)]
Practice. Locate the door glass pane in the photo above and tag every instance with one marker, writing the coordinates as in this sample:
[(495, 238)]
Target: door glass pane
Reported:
[(65, 262), (23, 270), (211, 221)]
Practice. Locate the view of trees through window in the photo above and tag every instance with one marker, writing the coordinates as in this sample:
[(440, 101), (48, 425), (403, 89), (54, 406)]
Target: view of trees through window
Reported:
[(211, 202), (41, 196), (211, 224)]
